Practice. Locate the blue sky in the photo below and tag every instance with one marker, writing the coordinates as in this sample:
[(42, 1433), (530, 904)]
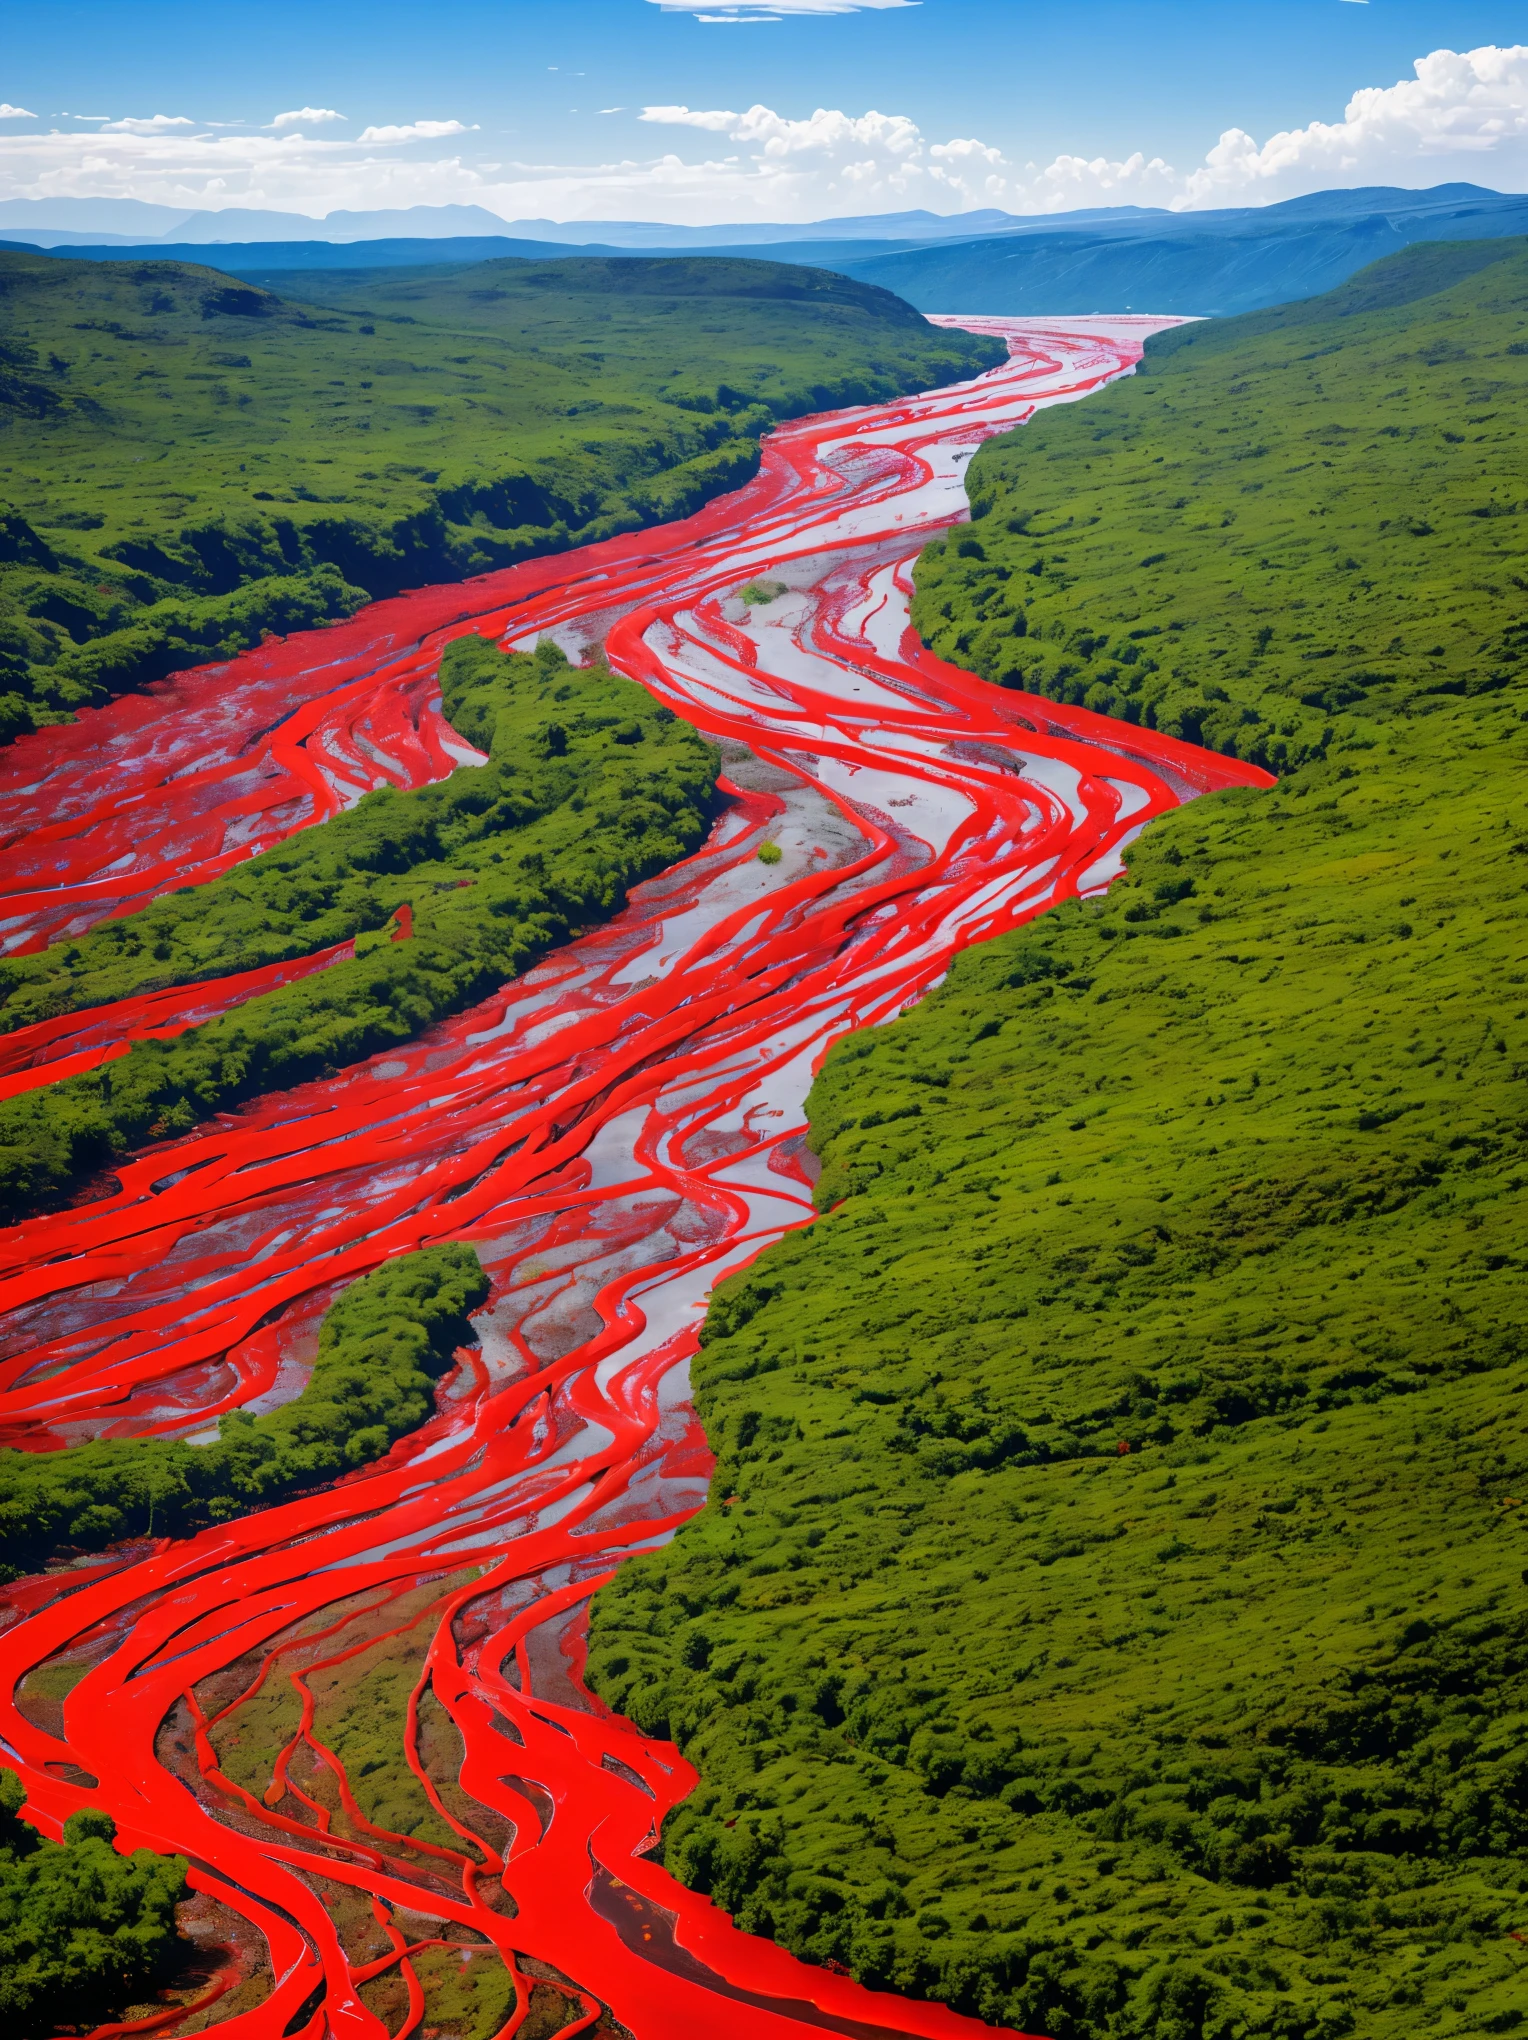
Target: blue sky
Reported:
[(515, 97)]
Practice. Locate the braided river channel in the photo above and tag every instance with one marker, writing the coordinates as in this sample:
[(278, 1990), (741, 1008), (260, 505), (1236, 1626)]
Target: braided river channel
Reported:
[(614, 1132)]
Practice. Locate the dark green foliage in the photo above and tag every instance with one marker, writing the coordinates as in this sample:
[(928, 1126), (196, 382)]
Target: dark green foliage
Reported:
[(1220, 1736), (591, 787), (383, 1344), (187, 463), (1317, 530), (82, 1929)]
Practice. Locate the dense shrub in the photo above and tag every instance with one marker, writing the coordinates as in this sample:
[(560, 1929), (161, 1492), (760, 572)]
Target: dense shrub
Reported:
[(82, 1929)]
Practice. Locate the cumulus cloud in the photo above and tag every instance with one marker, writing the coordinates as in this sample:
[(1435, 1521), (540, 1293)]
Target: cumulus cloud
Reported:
[(9, 112), (156, 124), (835, 162), (1461, 116), (417, 131), (1471, 105), (1072, 183), (305, 116), (822, 162), (882, 157)]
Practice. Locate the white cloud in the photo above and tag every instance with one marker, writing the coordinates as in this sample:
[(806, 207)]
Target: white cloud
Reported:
[(417, 131), (1462, 114), (305, 116), (1071, 183), (9, 112), (828, 136), (772, 10), (157, 124), (834, 162), (681, 116)]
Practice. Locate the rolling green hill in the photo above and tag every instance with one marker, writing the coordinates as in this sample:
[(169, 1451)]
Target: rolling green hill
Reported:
[(1270, 527), (188, 461), (1110, 1617)]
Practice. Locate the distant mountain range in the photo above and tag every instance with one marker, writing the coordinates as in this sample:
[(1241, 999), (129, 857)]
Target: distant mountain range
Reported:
[(65, 222), (1124, 258), (1213, 265), (47, 222)]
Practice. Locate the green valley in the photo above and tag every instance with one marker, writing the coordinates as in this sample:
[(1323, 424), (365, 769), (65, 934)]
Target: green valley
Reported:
[(189, 462), (1109, 1614)]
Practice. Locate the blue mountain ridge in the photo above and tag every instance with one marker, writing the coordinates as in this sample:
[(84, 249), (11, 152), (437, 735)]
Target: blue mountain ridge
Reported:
[(1208, 264)]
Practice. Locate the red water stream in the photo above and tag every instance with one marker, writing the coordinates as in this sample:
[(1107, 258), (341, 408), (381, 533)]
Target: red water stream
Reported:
[(614, 1132)]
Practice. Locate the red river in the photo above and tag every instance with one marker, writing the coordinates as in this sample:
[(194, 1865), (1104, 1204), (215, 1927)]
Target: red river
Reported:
[(614, 1132)]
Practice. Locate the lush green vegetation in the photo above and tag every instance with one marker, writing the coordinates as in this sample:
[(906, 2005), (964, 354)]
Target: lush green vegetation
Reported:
[(590, 787), (1269, 528), (188, 462), (1221, 1736), (382, 1346), (81, 1928)]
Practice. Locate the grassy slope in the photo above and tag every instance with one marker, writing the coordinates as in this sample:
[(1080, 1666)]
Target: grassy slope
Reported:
[(590, 787), (1221, 1736), (187, 460), (1241, 555)]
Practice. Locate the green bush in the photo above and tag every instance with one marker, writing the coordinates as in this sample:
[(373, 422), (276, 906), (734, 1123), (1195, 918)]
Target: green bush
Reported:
[(82, 1929)]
